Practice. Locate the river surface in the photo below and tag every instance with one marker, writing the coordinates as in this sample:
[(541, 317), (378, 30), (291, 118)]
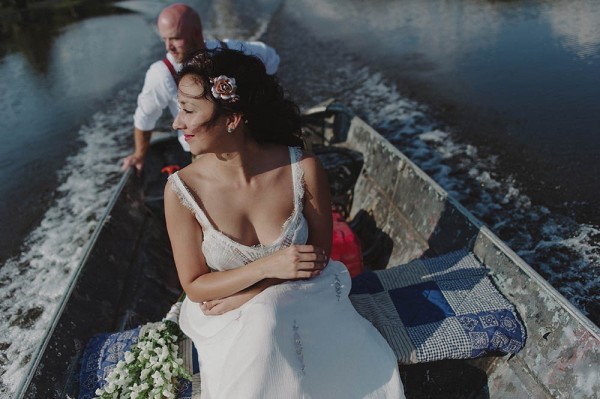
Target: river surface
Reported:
[(498, 101)]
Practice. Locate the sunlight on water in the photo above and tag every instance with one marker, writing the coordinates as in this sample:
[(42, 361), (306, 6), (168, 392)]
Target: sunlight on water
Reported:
[(521, 77), (576, 24)]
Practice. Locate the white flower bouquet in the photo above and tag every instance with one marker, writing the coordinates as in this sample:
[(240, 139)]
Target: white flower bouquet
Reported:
[(152, 366)]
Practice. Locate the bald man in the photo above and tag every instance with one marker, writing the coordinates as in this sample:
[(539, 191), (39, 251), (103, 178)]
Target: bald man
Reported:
[(180, 29)]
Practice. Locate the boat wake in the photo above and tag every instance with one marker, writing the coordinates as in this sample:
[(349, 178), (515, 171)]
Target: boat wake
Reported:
[(564, 252), (33, 284)]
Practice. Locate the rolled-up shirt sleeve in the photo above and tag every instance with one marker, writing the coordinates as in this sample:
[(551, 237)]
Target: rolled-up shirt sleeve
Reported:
[(154, 97), (267, 54)]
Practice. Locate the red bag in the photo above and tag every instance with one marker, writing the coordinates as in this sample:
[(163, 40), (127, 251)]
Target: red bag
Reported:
[(346, 247)]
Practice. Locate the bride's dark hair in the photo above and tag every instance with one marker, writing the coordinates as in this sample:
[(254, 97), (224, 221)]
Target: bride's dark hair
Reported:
[(269, 115)]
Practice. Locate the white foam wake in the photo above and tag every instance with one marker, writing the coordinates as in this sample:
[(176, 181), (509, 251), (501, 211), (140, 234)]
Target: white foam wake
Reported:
[(564, 252), (32, 285)]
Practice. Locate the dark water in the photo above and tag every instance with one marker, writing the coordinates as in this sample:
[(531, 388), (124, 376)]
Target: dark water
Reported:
[(498, 101), (520, 79), (58, 65)]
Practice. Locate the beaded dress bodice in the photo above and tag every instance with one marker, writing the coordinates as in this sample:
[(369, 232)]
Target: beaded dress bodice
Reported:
[(221, 251)]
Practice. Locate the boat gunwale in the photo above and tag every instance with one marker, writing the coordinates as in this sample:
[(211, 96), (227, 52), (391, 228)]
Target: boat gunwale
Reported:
[(74, 278), (574, 343)]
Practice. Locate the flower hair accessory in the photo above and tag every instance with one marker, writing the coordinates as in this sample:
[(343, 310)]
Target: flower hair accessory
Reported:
[(224, 88)]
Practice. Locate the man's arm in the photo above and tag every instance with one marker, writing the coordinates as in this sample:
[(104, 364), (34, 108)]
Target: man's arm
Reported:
[(267, 54), (159, 88), (142, 142)]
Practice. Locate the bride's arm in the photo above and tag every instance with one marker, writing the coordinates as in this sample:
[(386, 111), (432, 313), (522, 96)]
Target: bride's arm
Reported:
[(220, 306), (185, 234), (317, 203)]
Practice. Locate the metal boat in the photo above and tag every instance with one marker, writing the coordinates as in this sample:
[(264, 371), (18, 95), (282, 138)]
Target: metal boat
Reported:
[(127, 276)]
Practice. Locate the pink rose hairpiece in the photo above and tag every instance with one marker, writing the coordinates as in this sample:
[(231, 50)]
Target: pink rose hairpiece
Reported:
[(224, 88)]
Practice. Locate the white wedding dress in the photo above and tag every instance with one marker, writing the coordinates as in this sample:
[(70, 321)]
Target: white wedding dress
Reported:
[(300, 339)]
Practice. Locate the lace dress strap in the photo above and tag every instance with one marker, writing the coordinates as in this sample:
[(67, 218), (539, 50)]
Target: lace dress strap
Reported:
[(298, 177), (187, 199)]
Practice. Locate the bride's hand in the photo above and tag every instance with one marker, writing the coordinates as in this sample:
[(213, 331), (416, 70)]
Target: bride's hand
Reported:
[(220, 306), (296, 262)]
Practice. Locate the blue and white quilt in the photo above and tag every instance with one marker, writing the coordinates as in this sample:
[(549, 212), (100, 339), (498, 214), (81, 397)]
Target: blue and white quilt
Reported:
[(439, 308), (427, 310)]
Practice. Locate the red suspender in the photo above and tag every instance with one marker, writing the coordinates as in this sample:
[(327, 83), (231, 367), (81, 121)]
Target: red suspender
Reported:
[(171, 68)]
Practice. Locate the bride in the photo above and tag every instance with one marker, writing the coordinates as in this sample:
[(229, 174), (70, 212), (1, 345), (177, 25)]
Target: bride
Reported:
[(250, 226)]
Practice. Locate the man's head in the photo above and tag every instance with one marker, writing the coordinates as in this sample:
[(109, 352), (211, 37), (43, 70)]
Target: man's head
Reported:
[(181, 30)]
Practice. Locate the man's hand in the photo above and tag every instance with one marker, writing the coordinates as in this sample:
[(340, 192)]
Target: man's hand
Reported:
[(142, 142), (135, 161)]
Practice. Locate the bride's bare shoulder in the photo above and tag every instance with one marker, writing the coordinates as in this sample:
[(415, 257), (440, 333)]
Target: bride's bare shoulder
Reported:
[(310, 163)]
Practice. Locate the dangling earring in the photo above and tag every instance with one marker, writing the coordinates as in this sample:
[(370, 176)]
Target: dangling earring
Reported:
[(229, 129)]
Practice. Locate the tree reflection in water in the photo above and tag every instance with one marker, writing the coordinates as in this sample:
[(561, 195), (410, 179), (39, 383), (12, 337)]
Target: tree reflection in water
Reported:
[(30, 26)]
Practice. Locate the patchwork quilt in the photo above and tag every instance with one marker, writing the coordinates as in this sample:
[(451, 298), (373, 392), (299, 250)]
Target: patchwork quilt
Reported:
[(427, 310), (439, 308)]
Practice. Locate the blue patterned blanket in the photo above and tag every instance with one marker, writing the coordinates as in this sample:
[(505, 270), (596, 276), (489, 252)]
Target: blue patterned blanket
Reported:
[(104, 351), (439, 308), (427, 310)]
